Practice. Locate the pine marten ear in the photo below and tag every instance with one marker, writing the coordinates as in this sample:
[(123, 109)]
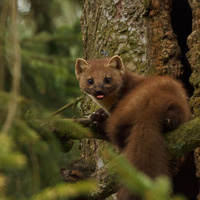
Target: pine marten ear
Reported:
[(81, 65), (116, 63)]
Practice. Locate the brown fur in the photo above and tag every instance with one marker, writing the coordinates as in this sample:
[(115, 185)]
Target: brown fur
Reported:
[(142, 109)]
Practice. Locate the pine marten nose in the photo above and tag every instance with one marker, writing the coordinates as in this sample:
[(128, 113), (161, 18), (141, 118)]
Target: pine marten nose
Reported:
[(99, 94)]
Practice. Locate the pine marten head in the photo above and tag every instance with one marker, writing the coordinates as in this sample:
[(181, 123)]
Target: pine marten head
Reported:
[(100, 77)]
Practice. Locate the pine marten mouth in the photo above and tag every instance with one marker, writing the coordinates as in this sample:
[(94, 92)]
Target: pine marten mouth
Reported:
[(99, 95)]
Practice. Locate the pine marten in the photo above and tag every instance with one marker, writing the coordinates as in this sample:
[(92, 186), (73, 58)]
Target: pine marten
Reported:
[(140, 109)]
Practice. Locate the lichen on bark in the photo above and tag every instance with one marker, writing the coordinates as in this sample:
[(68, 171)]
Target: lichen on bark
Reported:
[(117, 27)]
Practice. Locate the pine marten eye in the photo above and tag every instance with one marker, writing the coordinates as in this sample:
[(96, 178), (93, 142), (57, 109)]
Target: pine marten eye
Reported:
[(90, 81), (107, 79)]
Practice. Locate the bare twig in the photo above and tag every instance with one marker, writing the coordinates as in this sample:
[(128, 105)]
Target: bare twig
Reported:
[(67, 106)]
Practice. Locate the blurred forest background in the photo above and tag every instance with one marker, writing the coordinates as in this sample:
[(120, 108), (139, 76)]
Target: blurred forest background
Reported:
[(44, 38), (39, 43), (50, 41)]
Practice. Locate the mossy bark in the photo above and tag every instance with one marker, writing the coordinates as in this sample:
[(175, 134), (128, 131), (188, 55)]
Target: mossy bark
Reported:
[(194, 56), (116, 27), (194, 60), (162, 47)]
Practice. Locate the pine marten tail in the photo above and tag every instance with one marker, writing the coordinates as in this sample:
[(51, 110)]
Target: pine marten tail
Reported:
[(146, 149)]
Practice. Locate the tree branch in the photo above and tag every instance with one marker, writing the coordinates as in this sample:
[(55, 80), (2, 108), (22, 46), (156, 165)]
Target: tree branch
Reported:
[(184, 139), (16, 68), (180, 141)]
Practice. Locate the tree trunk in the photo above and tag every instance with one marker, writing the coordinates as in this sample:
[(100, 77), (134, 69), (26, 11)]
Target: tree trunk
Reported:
[(194, 60), (162, 47), (149, 37), (116, 27), (113, 28)]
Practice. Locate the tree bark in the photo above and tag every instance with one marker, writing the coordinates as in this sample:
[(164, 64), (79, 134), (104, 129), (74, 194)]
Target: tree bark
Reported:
[(162, 46), (194, 60), (116, 27)]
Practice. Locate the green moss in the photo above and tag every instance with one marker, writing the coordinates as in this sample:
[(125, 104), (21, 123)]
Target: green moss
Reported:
[(141, 68), (146, 4), (195, 78), (124, 50), (195, 104), (184, 139), (87, 165)]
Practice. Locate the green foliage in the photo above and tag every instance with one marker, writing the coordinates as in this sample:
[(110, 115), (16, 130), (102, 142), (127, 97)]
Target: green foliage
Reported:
[(70, 129), (8, 158), (136, 181), (48, 53), (48, 67), (31, 157), (63, 191)]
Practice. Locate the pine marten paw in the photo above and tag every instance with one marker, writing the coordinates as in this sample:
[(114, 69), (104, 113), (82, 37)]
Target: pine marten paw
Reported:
[(99, 119), (98, 116)]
